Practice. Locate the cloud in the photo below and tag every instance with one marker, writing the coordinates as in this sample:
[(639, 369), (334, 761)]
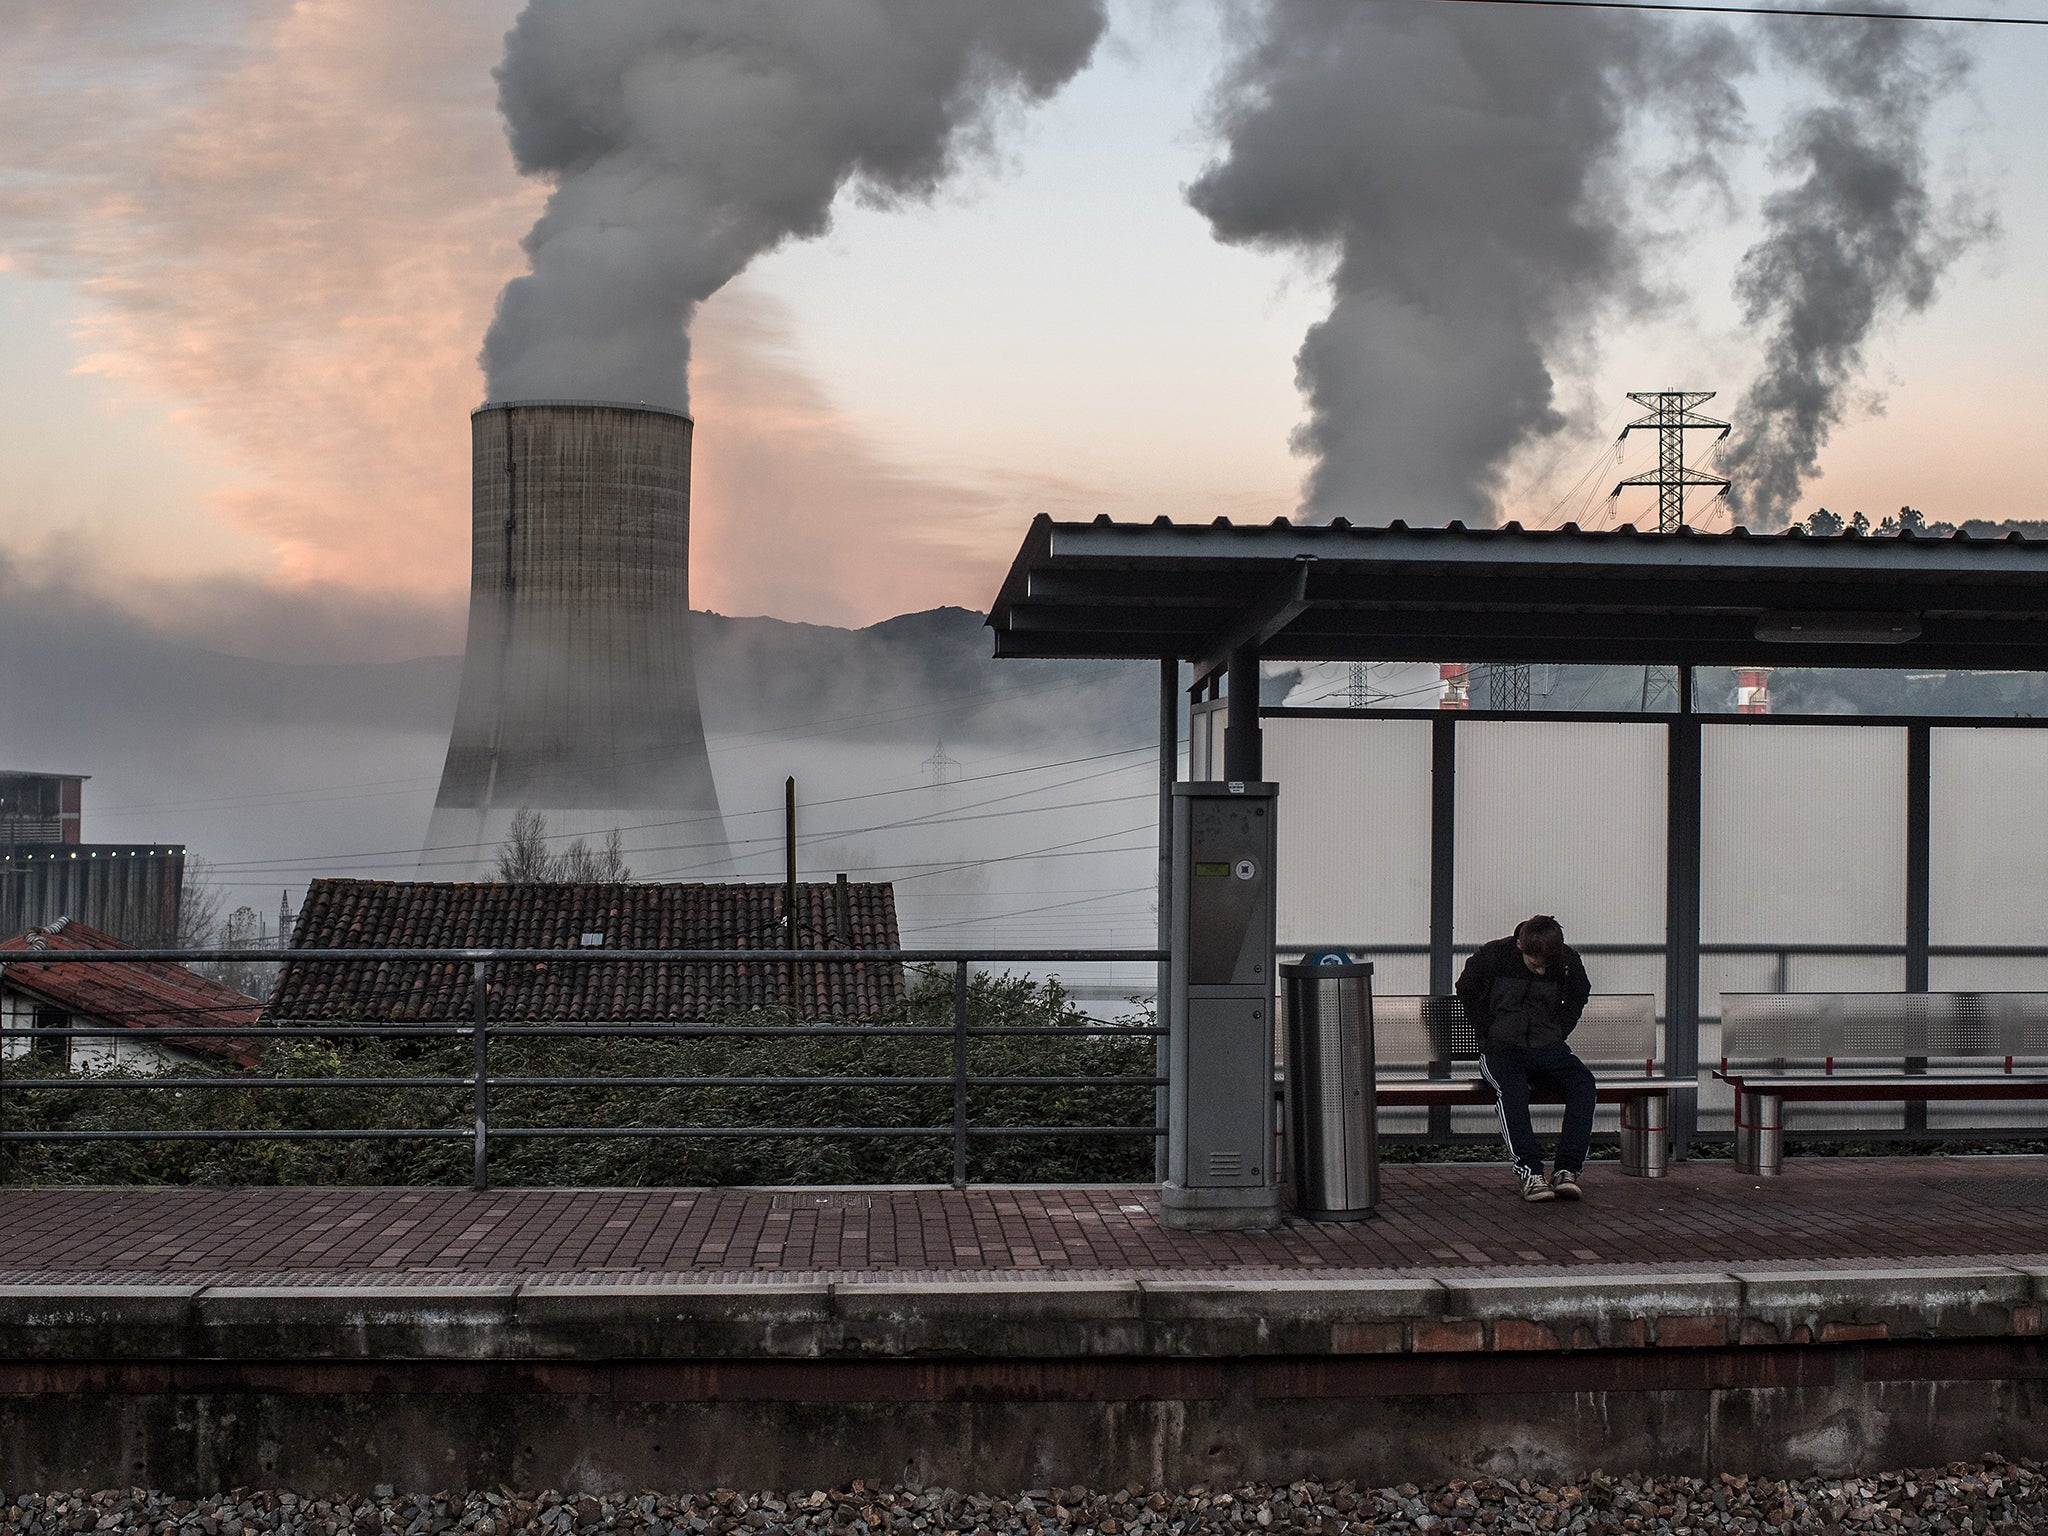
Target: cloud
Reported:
[(288, 222), (683, 138), (794, 512), (1460, 166), (1854, 237)]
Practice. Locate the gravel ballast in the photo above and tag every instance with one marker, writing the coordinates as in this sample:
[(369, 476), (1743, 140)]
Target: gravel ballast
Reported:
[(1994, 1495)]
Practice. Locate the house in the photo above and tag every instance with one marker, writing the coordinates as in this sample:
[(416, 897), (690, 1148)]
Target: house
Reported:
[(389, 914), (149, 999)]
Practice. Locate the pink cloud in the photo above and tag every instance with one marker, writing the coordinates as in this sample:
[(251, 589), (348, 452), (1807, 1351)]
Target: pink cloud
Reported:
[(295, 249), (291, 222)]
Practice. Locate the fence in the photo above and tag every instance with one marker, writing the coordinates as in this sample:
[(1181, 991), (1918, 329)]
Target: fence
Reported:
[(480, 1029), (1772, 967)]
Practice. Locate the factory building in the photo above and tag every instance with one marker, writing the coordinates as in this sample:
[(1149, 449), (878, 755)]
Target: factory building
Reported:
[(49, 872)]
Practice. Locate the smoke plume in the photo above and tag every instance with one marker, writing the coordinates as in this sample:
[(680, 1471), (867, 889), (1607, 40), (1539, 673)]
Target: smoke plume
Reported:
[(1459, 164), (1857, 237), (686, 137)]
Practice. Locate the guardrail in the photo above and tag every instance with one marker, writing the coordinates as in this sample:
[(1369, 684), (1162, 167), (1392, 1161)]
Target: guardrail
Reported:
[(480, 1029)]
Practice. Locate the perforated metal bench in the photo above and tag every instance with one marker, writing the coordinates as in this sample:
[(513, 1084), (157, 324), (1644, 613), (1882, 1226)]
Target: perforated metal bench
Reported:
[(1872, 1047), (1427, 1055)]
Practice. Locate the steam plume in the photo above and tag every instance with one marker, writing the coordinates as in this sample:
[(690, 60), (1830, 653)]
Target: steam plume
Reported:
[(1458, 162), (686, 137), (1857, 237)]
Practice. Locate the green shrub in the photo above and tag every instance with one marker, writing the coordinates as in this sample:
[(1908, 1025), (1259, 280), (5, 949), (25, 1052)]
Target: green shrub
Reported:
[(861, 1051)]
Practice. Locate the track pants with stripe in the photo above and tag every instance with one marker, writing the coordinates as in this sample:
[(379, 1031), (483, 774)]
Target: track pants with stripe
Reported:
[(1512, 1069)]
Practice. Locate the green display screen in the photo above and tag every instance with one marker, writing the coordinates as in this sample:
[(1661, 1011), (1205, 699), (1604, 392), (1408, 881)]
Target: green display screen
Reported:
[(1214, 870)]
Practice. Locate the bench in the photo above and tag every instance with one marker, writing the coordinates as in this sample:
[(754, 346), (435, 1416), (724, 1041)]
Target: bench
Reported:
[(1872, 1046), (1427, 1056)]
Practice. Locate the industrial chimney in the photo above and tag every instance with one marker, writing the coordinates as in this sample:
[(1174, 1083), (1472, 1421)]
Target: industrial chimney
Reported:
[(579, 694)]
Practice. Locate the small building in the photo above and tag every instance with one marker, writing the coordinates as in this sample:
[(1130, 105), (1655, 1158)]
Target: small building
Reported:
[(149, 999), (391, 914), (40, 807), (48, 871)]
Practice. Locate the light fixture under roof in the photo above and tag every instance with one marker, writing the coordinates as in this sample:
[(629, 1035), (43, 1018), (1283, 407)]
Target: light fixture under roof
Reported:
[(1839, 628)]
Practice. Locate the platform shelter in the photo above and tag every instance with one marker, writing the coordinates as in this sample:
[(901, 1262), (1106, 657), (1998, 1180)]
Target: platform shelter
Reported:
[(1702, 850)]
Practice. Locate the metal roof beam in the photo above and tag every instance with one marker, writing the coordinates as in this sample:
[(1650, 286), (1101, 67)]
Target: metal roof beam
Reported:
[(1277, 607)]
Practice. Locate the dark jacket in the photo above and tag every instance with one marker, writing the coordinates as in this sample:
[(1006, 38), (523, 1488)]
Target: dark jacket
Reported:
[(1509, 1004)]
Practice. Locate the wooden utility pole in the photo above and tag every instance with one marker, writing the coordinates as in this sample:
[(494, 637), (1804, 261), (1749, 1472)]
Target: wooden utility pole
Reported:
[(789, 879)]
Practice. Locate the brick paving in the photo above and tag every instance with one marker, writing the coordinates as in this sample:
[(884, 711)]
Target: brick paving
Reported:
[(1445, 1217)]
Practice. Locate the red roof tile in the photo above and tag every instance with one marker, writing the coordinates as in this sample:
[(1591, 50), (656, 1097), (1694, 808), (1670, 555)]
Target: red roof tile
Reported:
[(142, 995)]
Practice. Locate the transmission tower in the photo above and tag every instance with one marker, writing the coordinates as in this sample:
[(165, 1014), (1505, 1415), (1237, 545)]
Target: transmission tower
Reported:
[(1672, 414), (1359, 690), (1507, 686), (941, 768)]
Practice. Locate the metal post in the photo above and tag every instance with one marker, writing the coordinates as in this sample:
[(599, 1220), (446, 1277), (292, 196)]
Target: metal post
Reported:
[(1443, 852), (1243, 757), (959, 1074), (789, 884), (1919, 896), (479, 1030), (1682, 922), (1443, 847), (1169, 764)]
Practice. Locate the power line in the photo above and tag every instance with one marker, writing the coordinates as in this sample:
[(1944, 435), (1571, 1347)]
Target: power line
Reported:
[(303, 861), (1815, 12)]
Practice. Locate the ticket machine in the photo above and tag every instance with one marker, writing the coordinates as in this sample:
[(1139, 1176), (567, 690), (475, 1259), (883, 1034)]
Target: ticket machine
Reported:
[(1219, 1162)]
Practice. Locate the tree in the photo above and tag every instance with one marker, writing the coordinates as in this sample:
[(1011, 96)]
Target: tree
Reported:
[(200, 901), (525, 858), (201, 926), (1825, 524), (1913, 520)]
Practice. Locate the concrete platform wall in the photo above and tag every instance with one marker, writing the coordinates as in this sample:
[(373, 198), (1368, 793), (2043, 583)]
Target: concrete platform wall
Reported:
[(1006, 1386)]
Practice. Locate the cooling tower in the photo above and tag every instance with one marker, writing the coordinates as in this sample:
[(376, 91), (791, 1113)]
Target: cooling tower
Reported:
[(579, 694)]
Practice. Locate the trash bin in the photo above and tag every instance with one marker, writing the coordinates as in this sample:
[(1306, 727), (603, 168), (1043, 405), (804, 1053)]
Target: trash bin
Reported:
[(1332, 1130)]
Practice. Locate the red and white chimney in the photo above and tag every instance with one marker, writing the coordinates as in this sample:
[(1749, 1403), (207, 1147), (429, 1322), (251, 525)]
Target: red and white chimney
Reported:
[(1456, 677), (1753, 691)]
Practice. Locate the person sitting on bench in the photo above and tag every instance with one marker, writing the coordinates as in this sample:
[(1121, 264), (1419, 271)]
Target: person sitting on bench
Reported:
[(1524, 995)]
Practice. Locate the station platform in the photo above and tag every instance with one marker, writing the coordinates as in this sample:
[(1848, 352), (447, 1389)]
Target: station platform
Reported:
[(1853, 1314)]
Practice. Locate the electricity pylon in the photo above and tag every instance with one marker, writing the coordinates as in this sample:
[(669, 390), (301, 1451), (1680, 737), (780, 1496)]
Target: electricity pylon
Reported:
[(1507, 686), (1672, 413)]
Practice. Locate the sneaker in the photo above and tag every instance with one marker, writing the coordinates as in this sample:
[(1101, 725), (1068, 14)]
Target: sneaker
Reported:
[(1536, 1187), (1565, 1185)]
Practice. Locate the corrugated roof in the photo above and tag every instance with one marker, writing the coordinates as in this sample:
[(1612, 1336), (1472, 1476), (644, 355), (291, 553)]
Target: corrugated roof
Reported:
[(370, 914), (1344, 591), (144, 995)]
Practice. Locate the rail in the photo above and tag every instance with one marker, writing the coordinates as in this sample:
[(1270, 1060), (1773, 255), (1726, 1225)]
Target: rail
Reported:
[(1782, 959), (480, 1029)]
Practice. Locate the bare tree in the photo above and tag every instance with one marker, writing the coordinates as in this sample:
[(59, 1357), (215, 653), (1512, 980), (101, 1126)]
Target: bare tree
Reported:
[(200, 900), (202, 926), (524, 858)]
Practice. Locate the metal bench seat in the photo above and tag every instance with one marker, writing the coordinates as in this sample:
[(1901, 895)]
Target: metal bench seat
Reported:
[(1427, 1057), (1858, 1046)]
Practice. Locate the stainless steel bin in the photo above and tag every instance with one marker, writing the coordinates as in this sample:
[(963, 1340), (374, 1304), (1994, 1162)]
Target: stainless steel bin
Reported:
[(1332, 1128)]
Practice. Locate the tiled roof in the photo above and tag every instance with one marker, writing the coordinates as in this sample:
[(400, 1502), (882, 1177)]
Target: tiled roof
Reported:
[(141, 995), (373, 914)]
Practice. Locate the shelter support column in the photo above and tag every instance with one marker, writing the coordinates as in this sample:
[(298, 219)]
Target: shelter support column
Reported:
[(1243, 753), (1169, 764), (1443, 851), (1682, 924), (1919, 899)]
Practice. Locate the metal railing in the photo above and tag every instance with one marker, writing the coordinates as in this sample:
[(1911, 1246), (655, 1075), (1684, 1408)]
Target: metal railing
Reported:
[(481, 1030), (1781, 959)]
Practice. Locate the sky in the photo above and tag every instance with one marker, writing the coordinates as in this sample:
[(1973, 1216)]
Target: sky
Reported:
[(250, 251), (249, 248)]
